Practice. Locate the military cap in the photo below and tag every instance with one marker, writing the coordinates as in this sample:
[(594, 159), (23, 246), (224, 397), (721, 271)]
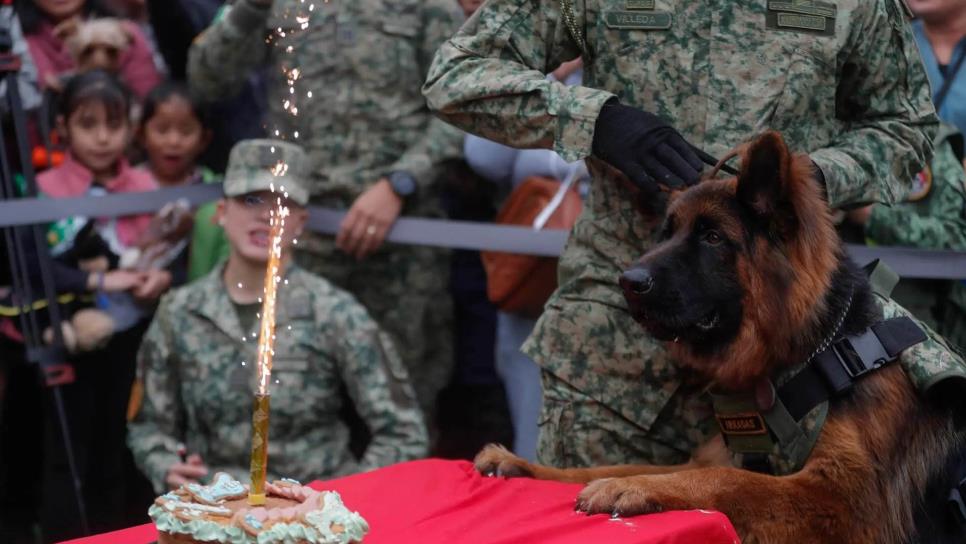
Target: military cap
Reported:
[(260, 165)]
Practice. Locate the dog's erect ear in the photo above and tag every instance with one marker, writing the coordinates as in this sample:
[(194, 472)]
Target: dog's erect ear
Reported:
[(765, 167)]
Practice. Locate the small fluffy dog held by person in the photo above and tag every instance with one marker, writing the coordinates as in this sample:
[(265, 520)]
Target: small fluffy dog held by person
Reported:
[(841, 419)]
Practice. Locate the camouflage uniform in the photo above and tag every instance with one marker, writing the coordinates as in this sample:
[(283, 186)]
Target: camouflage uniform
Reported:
[(935, 219), (854, 96), (197, 367), (360, 115)]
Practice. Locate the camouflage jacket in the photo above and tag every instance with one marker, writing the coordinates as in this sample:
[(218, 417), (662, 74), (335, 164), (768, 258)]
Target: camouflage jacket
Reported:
[(935, 215), (853, 95), (343, 81), (197, 368)]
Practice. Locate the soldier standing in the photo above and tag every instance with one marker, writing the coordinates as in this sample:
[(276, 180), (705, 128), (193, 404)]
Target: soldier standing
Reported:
[(842, 81), (197, 361), (344, 82)]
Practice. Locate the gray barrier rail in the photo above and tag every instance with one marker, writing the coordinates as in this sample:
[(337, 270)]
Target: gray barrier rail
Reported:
[(907, 262)]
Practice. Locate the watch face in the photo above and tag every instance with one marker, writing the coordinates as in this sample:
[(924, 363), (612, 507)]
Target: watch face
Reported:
[(402, 183)]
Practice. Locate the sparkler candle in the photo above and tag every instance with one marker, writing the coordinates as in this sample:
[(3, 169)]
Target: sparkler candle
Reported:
[(266, 350)]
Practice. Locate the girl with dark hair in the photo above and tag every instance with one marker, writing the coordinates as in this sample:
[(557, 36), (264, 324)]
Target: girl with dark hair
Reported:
[(93, 117), (174, 131), (44, 24)]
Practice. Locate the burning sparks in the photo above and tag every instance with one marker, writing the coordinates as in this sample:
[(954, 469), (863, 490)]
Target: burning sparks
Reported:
[(266, 337), (266, 334)]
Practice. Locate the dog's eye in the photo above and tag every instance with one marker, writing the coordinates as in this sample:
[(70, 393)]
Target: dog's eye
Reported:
[(712, 237)]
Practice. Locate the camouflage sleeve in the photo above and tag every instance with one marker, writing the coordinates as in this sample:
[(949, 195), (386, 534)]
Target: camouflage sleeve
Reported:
[(929, 362), (440, 141), (490, 80), (378, 384), (886, 111), (222, 56), (941, 225), (158, 426)]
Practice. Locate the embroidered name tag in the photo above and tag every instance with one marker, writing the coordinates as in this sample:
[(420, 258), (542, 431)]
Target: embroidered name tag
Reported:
[(805, 22), (639, 4), (817, 9), (748, 423), (802, 16), (657, 20)]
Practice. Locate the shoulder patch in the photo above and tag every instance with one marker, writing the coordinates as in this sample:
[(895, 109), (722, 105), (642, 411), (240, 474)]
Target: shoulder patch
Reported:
[(921, 185)]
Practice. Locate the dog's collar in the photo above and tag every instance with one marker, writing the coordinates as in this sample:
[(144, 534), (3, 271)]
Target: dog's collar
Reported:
[(824, 344)]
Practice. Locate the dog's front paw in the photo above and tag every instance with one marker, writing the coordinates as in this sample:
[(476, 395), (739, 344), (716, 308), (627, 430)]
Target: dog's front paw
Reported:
[(627, 497), (495, 460)]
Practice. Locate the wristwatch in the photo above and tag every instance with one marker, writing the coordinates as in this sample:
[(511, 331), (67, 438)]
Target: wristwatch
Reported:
[(403, 183)]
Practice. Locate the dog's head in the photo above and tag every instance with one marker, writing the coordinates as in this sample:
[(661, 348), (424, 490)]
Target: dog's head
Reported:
[(97, 43), (738, 276)]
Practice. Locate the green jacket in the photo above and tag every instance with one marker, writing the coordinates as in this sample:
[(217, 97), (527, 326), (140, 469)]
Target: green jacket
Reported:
[(856, 100), (197, 368)]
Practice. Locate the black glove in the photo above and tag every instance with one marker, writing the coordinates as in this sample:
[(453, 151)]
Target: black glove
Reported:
[(646, 148)]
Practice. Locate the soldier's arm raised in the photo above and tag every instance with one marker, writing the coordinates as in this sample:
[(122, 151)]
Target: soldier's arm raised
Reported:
[(222, 56), (885, 110), (378, 384), (490, 80), (158, 426)]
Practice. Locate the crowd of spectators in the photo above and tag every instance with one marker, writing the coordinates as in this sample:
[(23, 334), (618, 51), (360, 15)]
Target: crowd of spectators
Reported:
[(107, 86)]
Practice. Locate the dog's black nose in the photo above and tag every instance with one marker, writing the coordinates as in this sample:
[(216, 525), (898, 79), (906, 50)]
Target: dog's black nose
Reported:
[(637, 280)]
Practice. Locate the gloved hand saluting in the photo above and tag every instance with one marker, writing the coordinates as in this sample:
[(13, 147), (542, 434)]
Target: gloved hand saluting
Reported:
[(646, 148)]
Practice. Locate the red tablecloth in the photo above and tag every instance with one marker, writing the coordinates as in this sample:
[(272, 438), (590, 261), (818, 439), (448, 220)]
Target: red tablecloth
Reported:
[(433, 501)]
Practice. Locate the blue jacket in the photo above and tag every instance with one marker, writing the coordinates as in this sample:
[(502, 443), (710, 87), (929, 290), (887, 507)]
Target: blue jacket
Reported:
[(953, 109)]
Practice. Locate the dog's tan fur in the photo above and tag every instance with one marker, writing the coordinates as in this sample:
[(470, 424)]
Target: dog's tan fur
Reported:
[(875, 453)]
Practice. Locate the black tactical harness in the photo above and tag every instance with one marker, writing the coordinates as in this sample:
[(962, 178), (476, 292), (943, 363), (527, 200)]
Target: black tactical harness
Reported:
[(834, 371), (775, 428)]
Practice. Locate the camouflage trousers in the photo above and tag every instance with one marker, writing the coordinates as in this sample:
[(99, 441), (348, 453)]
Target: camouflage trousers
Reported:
[(405, 289), (578, 431)]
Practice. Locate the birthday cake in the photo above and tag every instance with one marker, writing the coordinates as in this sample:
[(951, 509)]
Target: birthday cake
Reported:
[(220, 513)]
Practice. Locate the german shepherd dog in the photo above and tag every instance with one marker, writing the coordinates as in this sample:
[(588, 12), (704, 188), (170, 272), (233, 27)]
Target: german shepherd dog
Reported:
[(749, 276)]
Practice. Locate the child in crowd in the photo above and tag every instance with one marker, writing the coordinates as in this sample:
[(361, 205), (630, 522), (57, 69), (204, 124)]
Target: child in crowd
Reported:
[(48, 25), (174, 132), (93, 118), (197, 362)]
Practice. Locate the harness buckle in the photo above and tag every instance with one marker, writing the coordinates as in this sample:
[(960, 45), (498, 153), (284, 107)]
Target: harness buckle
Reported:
[(957, 502), (860, 354)]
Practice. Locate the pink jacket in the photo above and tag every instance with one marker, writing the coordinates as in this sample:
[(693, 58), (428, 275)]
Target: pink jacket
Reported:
[(72, 179), (137, 63)]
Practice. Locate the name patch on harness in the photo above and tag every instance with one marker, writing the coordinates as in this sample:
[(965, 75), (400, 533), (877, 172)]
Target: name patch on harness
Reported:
[(743, 424), (637, 20)]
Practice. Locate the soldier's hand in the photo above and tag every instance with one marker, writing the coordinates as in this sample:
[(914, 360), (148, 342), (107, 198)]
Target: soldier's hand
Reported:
[(646, 148), (188, 472), (368, 221)]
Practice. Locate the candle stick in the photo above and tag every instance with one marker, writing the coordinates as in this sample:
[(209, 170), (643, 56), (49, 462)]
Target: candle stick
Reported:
[(266, 349)]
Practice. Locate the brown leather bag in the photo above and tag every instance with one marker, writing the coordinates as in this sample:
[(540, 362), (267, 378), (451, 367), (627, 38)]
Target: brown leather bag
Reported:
[(521, 284)]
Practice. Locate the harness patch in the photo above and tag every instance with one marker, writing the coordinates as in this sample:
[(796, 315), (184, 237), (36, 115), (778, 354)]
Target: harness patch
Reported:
[(635, 20), (743, 424)]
